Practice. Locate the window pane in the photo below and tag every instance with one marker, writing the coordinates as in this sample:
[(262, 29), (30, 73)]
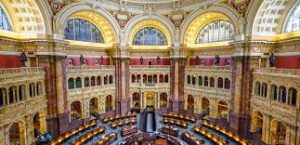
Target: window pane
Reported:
[(216, 31), (82, 30), (294, 20), (149, 36), (4, 24)]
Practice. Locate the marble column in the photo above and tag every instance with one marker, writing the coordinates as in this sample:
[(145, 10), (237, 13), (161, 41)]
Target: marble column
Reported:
[(242, 66), (122, 85), (56, 93), (177, 84)]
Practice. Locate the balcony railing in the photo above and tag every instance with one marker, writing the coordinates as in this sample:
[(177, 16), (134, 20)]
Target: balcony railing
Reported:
[(23, 71), (91, 67), (149, 66), (278, 72), (156, 69), (209, 67)]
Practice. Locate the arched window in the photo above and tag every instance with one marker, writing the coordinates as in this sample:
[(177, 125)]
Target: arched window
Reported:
[(149, 36), (93, 81), (98, 80), (188, 79), (166, 78), (220, 83), (82, 30), (12, 94), (39, 88), (200, 80), (216, 31), (161, 78), (282, 94), (212, 82), (111, 79), (105, 80), (133, 78), (292, 98), (227, 83), (86, 82), (4, 23), (257, 88), (155, 79), (3, 94), (274, 92), (264, 89), (293, 23), (144, 78), (78, 82), (193, 80), (150, 79), (71, 84), (138, 78), (205, 81), (31, 89), (22, 92)]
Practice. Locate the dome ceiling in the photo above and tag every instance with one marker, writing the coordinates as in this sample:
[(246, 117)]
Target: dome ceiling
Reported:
[(150, 6)]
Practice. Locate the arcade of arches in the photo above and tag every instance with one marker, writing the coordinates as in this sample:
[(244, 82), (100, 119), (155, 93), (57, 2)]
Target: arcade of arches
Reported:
[(233, 62)]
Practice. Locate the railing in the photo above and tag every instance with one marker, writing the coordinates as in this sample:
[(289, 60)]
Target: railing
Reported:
[(21, 71), (150, 68), (276, 71), (209, 67), (91, 67)]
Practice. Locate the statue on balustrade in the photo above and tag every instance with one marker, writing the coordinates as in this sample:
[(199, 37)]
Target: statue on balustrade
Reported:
[(197, 60), (82, 61), (272, 60), (101, 60), (23, 58), (141, 60), (158, 60), (217, 60)]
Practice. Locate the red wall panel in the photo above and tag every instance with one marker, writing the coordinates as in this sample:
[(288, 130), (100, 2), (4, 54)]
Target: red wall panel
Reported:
[(287, 62), (137, 61), (10, 61), (90, 61), (209, 61)]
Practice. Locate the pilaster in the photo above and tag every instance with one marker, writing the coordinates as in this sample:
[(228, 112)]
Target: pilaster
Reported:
[(177, 83), (244, 60), (53, 61), (122, 100)]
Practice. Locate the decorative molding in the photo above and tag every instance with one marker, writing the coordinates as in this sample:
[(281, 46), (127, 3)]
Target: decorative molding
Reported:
[(239, 5), (57, 5)]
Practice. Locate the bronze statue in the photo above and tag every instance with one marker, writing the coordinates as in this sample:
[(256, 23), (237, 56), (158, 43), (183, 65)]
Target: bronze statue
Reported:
[(101, 60), (158, 60), (272, 60), (82, 61), (23, 58), (217, 60), (197, 60), (141, 60)]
